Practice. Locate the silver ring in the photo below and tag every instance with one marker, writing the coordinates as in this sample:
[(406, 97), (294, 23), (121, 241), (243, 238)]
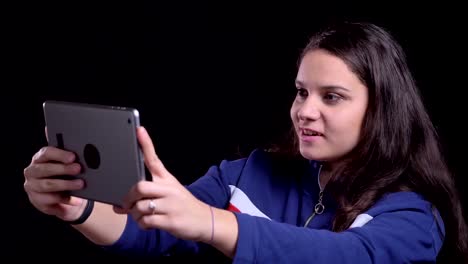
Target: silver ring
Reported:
[(152, 206)]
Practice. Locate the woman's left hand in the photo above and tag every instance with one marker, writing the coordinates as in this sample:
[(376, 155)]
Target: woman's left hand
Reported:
[(164, 203)]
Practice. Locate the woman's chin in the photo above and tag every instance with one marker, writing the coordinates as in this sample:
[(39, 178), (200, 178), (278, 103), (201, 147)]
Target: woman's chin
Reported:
[(311, 155)]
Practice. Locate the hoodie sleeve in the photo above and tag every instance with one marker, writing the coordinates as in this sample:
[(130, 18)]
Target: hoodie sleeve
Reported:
[(212, 188), (393, 236)]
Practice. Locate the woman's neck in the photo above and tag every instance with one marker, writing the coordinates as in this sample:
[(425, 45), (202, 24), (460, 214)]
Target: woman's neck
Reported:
[(323, 179), (325, 174)]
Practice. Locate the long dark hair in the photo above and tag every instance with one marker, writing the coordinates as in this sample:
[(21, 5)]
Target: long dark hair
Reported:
[(399, 146)]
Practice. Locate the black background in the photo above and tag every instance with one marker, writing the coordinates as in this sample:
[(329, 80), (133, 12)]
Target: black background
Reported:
[(209, 80)]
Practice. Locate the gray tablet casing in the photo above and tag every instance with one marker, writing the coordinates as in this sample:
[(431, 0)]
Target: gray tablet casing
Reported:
[(104, 140)]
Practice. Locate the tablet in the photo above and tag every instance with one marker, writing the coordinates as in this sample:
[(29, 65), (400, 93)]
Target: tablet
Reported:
[(104, 140)]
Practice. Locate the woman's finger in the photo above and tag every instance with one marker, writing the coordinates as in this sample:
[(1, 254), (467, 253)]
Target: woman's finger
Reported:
[(49, 199), (51, 185), (152, 161), (41, 170), (120, 210), (152, 221), (144, 207), (143, 190), (51, 153)]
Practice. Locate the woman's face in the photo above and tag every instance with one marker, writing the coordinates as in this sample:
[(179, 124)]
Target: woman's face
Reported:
[(329, 107)]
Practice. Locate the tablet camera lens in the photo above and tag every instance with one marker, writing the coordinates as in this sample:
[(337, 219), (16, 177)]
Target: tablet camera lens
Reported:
[(91, 156)]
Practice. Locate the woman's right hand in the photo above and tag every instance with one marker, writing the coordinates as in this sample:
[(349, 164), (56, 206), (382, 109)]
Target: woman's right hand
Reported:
[(48, 193)]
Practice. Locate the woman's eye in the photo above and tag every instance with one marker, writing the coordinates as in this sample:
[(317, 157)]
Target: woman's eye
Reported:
[(301, 92), (332, 97)]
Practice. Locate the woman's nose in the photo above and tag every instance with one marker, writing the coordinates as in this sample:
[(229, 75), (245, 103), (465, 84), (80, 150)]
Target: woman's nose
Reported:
[(309, 111)]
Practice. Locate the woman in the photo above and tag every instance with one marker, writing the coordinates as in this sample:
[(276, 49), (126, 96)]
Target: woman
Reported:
[(365, 182)]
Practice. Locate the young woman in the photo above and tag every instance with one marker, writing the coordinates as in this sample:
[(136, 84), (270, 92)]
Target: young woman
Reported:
[(365, 181)]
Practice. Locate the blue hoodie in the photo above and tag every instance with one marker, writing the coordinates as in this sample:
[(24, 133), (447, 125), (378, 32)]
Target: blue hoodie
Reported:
[(273, 204)]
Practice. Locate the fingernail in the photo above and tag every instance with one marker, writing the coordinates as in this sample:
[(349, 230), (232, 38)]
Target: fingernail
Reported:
[(71, 157), (75, 168), (80, 184)]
